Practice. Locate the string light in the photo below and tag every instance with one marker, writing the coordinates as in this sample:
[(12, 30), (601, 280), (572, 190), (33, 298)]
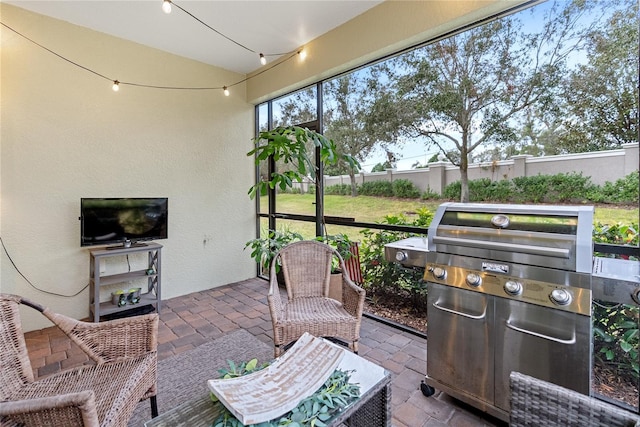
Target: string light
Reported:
[(166, 6)]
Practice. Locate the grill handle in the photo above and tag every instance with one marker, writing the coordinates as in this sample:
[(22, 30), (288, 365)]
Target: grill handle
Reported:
[(511, 247), (460, 313), (543, 336)]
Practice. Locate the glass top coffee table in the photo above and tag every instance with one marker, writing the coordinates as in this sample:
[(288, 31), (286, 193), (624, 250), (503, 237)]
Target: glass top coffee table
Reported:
[(371, 409)]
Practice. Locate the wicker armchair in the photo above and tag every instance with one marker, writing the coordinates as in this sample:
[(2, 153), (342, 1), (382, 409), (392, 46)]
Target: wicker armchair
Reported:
[(306, 267), (101, 394), (538, 403)]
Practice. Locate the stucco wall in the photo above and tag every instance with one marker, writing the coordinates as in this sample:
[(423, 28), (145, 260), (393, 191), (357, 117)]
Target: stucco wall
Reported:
[(601, 167), (65, 135)]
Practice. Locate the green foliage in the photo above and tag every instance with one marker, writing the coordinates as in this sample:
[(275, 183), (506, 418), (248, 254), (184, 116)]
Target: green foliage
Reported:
[(243, 368), (289, 146), (560, 188), (382, 167), (338, 190), (315, 410), (624, 190), (263, 249), (376, 188), (615, 337), (401, 188), (341, 243), (430, 195), (383, 278), (618, 234), (452, 191), (405, 189)]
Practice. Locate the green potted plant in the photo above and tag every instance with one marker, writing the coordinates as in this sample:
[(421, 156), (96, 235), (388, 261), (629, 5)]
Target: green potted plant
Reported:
[(341, 243), (293, 147), (264, 249)]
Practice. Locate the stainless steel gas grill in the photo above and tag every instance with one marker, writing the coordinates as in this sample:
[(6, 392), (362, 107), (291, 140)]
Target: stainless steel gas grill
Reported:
[(509, 289)]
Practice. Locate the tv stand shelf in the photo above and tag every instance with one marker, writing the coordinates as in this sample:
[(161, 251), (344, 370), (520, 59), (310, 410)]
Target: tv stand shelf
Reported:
[(152, 273)]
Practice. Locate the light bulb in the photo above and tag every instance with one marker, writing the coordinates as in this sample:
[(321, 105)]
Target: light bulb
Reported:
[(225, 90), (116, 86), (263, 60), (166, 6), (303, 54)]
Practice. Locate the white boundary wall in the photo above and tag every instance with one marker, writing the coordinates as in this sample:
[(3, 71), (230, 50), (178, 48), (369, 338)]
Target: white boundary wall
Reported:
[(600, 166)]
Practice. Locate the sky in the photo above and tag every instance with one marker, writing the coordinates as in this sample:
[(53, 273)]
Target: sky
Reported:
[(417, 151)]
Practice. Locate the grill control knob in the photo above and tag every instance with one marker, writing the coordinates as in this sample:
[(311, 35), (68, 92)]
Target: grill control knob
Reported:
[(474, 280), (438, 272), (401, 256), (513, 288), (560, 297)]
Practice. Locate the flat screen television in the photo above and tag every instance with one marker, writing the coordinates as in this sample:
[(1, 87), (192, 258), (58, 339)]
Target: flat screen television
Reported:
[(122, 220)]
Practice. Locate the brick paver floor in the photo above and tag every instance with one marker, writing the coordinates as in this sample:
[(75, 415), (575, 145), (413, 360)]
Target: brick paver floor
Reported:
[(190, 320)]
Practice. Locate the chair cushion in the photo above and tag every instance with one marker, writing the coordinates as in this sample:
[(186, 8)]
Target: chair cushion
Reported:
[(115, 384), (322, 317)]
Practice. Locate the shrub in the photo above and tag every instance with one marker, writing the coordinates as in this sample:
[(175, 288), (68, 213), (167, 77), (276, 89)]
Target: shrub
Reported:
[(430, 195), (405, 189), (452, 191), (338, 190), (624, 190), (376, 188), (383, 278)]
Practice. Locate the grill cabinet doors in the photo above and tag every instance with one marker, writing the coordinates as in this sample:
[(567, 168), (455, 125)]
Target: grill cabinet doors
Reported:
[(461, 340)]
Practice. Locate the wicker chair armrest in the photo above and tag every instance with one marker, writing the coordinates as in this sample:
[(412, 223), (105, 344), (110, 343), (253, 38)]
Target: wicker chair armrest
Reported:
[(274, 299), (352, 296), (111, 340), (63, 410)]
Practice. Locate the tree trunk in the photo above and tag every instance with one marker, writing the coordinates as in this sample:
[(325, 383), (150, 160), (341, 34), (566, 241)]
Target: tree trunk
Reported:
[(464, 177), (354, 187)]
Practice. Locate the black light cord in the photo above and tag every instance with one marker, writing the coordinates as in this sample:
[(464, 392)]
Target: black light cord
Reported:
[(224, 35), (54, 53), (148, 86), (29, 281)]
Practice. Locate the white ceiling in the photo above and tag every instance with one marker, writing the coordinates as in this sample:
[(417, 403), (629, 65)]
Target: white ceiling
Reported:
[(265, 26)]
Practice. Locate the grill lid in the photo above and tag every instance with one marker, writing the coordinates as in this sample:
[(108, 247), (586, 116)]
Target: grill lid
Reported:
[(547, 236)]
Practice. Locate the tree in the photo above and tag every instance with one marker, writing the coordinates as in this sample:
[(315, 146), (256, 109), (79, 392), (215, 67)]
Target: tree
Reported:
[(381, 167), (601, 107), (469, 90), (347, 105)]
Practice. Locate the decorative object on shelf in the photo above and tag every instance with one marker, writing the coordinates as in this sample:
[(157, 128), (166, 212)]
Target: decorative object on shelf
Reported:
[(122, 297), (119, 298), (311, 387), (133, 296)]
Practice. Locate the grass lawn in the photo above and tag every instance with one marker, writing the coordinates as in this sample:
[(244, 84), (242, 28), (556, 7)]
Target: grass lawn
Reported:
[(374, 209)]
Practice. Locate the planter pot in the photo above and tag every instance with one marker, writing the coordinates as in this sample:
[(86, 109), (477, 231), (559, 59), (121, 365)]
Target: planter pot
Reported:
[(335, 286)]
